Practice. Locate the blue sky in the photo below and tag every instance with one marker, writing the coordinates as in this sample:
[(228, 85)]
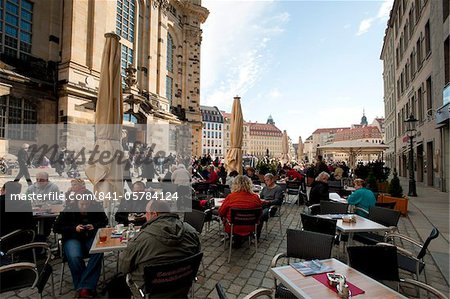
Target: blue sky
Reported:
[(310, 64)]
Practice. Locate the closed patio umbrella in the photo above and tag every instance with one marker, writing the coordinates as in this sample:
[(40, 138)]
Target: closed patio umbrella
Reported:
[(234, 154), (107, 177), (300, 149), (285, 148)]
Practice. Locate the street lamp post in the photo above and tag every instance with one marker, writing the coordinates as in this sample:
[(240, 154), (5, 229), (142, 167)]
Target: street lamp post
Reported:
[(411, 130)]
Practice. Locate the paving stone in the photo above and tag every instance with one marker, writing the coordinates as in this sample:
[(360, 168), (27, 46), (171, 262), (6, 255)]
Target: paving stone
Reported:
[(234, 289)]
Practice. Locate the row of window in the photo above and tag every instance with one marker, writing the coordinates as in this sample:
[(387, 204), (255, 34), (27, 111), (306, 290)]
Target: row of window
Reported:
[(213, 143), (417, 105), (414, 62), (125, 18), (16, 26), (210, 134), (212, 126)]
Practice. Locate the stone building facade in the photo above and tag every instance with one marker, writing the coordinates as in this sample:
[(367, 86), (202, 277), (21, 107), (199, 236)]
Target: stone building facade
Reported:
[(416, 68), (212, 132), (51, 55)]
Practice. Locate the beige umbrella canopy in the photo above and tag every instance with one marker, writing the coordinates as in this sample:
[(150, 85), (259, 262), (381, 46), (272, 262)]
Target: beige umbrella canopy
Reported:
[(106, 174), (300, 149), (285, 148), (353, 148), (234, 154)]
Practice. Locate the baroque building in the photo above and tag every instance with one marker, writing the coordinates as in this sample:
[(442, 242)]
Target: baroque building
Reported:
[(50, 56), (416, 77)]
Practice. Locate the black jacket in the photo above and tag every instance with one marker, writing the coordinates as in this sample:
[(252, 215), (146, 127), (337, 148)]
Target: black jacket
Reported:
[(68, 220), (319, 191)]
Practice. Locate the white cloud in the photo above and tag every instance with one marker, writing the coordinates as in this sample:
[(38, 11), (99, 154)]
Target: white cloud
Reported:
[(275, 93), (236, 47), (364, 26), (382, 15)]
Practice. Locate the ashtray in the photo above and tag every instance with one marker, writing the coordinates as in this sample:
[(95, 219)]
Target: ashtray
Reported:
[(333, 279), (349, 218)]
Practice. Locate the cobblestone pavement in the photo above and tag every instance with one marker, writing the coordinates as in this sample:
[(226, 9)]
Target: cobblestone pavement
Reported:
[(247, 270)]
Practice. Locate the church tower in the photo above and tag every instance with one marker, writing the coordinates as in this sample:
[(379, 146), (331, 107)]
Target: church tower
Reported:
[(364, 119)]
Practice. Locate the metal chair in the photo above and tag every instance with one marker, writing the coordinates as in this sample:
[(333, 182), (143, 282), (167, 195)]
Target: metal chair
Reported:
[(330, 207), (196, 219), (293, 189), (384, 216), (255, 294), (20, 274), (417, 284), (173, 279), (306, 245), (376, 261), (406, 259), (320, 225), (244, 217)]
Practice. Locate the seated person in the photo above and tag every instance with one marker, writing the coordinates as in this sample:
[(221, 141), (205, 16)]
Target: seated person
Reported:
[(130, 207), (78, 224), (294, 175), (230, 178), (164, 238), (14, 214), (250, 173), (361, 197), (271, 194), (213, 177), (241, 197), (319, 189)]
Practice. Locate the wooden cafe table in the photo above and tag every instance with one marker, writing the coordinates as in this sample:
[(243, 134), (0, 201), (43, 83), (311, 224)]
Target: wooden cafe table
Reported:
[(308, 287)]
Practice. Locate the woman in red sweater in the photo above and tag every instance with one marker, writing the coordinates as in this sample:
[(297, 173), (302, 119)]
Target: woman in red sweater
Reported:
[(241, 197)]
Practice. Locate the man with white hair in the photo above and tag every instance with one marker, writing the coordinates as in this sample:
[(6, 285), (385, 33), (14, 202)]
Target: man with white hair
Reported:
[(22, 159), (43, 188)]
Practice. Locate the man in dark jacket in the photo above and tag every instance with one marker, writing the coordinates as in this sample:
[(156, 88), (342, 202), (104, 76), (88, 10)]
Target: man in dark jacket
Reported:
[(78, 224), (163, 239), (22, 159)]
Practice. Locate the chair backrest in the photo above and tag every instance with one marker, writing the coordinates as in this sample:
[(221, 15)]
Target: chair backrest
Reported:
[(308, 245), (318, 224), (384, 216), (18, 276), (196, 219), (174, 278), (293, 185), (220, 292), (330, 207), (376, 261), (438, 294), (335, 184), (433, 235), (387, 205), (245, 216)]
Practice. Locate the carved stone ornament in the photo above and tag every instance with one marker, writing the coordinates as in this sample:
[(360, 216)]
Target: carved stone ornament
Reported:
[(130, 78)]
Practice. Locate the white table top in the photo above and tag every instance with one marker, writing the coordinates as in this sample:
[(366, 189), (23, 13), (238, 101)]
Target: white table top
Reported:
[(361, 225), (111, 244), (308, 287)]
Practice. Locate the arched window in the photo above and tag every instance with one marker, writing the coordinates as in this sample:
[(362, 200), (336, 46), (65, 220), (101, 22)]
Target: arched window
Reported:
[(130, 118)]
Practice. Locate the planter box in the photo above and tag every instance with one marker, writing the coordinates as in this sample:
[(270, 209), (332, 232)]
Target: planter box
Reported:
[(401, 204)]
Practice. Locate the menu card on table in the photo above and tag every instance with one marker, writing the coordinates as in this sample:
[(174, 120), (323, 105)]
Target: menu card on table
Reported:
[(311, 267)]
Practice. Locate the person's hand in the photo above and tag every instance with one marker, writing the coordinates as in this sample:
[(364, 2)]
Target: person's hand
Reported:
[(79, 228), (89, 227)]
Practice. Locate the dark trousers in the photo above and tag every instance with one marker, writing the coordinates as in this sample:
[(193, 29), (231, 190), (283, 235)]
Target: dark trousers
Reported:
[(23, 171)]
